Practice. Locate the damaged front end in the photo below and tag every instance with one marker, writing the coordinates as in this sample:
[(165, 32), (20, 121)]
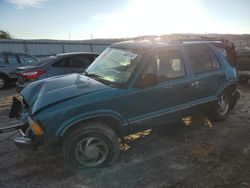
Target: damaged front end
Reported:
[(27, 138)]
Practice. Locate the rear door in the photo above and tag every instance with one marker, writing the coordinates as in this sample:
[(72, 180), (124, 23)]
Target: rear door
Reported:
[(207, 74), (12, 64)]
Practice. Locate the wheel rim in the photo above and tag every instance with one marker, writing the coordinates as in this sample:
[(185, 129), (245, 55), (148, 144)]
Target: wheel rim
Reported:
[(1, 83), (91, 151), (223, 105)]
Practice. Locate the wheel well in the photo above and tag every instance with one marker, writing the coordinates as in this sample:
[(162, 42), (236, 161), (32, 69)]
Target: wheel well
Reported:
[(229, 89), (113, 123), (5, 76)]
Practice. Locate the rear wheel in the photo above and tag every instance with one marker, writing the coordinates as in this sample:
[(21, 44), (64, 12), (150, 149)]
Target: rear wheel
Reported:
[(222, 107), (3, 82), (90, 146)]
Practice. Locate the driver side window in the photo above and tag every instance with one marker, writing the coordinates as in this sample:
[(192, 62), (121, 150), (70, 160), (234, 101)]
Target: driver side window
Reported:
[(167, 65)]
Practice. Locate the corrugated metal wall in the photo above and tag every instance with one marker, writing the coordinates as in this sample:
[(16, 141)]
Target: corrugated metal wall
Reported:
[(42, 48)]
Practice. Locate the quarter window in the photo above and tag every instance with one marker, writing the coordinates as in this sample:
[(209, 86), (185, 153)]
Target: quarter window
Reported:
[(27, 60), (64, 63), (80, 62)]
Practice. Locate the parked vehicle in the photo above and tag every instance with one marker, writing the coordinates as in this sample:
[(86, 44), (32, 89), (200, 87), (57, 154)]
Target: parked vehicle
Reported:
[(53, 66), (130, 87), (243, 60), (9, 61)]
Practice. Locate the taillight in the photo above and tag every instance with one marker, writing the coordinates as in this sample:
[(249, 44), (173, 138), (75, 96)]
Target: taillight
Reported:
[(32, 74)]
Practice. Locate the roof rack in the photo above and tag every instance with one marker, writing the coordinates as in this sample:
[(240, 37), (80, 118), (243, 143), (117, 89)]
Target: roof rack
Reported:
[(179, 38)]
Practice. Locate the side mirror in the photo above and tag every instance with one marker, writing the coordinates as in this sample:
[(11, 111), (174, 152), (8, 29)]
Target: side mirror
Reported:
[(148, 79)]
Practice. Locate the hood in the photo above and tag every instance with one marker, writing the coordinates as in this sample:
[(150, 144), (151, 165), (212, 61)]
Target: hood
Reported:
[(45, 92)]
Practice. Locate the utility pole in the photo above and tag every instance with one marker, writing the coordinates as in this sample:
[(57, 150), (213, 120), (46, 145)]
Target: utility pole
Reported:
[(69, 34)]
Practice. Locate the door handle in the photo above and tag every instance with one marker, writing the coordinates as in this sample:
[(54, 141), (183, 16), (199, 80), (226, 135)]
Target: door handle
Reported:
[(195, 83)]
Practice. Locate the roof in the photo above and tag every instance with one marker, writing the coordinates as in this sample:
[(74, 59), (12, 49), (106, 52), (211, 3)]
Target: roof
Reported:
[(154, 43), (77, 53)]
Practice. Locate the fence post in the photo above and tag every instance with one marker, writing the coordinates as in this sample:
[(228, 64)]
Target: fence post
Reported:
[(91, 47), (63, 48), (25, 46)]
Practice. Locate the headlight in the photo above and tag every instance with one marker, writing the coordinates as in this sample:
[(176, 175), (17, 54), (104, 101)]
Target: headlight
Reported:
[(35, 127)]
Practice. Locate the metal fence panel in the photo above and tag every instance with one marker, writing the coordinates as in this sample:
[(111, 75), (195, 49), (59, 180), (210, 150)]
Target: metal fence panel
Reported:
[(43, 48), (77, 48), (12, 47)]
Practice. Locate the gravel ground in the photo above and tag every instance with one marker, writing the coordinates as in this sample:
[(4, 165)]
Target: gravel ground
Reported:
[(169, 156)]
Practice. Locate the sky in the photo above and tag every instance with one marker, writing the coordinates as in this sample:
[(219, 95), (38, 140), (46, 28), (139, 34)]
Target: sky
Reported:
[(85, 19)]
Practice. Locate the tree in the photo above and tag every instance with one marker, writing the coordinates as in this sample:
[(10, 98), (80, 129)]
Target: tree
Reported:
[(5, 35)]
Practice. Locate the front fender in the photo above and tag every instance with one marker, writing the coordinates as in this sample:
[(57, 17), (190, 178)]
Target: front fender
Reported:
[(90, 116)]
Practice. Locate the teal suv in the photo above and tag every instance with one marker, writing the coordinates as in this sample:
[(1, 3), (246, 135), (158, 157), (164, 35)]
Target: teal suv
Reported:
[(130, 87)]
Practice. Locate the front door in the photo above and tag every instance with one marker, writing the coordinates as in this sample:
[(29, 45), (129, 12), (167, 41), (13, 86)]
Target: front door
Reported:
[(166, 101)]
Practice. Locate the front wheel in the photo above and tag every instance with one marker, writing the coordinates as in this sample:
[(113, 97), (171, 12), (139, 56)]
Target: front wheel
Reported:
[(222, 107), (90, 146), (3, 82)]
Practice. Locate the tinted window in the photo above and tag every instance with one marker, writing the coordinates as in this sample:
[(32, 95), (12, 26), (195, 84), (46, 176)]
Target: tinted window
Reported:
[(61, 63), (12, 60), (80, 62), (2, 61), (167, 65), (202, 59), (27, 60)]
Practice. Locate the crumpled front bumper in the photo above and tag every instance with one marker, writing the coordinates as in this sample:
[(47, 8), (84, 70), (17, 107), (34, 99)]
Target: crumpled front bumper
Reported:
[(21, 141), (26, 139), (24, 142)]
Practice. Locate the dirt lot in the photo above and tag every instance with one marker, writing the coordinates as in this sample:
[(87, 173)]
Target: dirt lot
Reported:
[(170, 156)]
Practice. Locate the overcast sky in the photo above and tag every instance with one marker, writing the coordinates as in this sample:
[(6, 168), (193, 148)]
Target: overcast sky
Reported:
[(78, 19)]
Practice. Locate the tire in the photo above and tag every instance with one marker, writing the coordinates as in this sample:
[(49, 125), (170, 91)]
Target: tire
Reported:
[(91, 146), (243, 79), (3, 82), (222, 108)]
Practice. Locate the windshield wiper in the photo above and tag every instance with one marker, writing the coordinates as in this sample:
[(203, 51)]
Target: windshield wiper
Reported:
[(98, 77)]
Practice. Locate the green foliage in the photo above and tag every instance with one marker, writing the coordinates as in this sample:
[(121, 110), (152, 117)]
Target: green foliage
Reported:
[(5, 35)]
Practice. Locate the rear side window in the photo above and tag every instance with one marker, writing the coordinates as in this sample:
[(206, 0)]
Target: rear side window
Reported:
[(64, 63), (2, 61), (167, 65), (27, 60), (12, 60), (202, 59), (80, 62)]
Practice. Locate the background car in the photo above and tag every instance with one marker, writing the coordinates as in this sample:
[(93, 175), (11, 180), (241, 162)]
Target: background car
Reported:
[(54, 65), (243, 60), (9, 61)]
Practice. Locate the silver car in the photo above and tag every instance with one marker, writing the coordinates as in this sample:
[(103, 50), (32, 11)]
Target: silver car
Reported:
[(9, 62), (59, 64)]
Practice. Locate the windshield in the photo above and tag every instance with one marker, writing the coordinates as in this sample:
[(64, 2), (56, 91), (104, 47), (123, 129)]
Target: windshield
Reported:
[(114, 65)]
